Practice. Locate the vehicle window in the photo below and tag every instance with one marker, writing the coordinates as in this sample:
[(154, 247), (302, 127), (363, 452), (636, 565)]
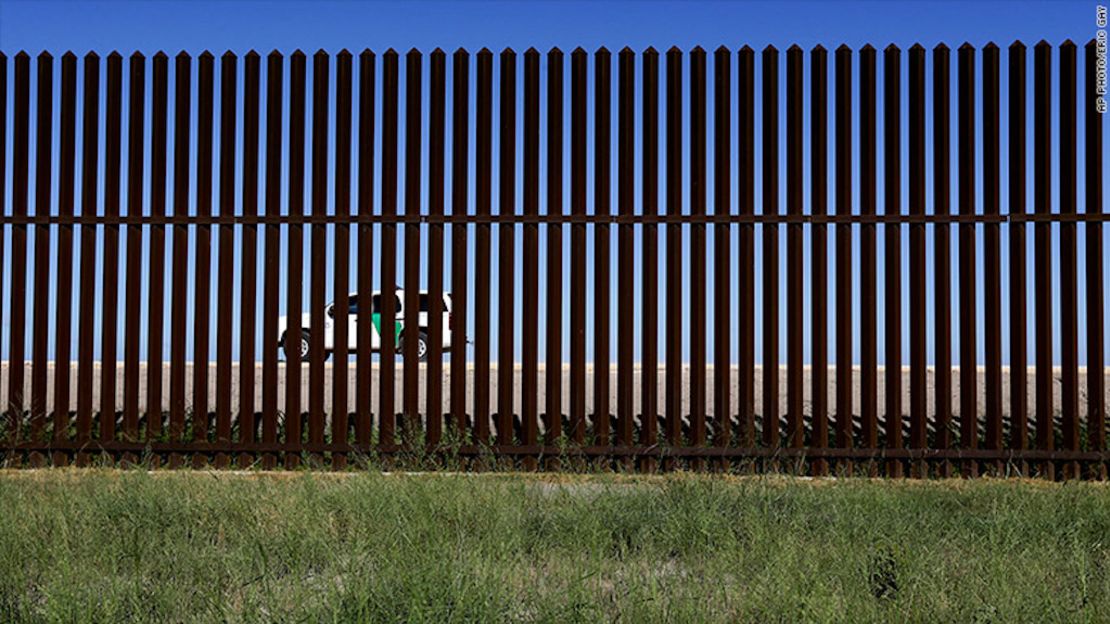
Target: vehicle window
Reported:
[(352, 304), (376, 304), (424, 304)]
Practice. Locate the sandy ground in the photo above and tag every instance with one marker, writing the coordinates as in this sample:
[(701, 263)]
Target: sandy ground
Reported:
[(564, 388)]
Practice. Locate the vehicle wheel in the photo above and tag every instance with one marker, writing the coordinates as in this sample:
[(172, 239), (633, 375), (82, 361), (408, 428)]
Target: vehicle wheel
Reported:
[(421, 346), (297, 349)]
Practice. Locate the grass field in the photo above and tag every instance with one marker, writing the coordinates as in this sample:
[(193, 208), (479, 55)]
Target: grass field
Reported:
[(111, 546)]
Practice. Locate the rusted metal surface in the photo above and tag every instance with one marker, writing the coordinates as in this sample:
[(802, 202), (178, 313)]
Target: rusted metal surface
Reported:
[(649, 343), (844, 272), (819, 251), (436, 123), (892, 261), (868, 356), (1069, 296), (1042, 246), (942, 251), (411, 303), (697, 252), (342, 256), (1019, 347), (770, 152), (553, 410), (272, 269), (919, 402), (794, 254), (248, 290), (530, 271), (672, 408), (601, 259), (562, 270), (506, 239), (44, 126), (992, 252), (460, 175), (226, 270), (965, 106), (722, 249)]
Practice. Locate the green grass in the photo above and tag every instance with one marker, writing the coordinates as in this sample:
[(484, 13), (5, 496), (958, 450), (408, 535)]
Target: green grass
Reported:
[(112, 546)]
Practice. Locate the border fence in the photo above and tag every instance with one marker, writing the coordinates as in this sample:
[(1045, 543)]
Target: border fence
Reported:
[(673, 408)]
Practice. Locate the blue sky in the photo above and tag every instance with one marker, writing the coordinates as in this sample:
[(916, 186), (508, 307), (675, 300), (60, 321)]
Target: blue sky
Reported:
[(242, 26)]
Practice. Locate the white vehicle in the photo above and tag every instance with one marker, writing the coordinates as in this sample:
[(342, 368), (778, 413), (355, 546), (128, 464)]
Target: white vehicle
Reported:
[(295, 348)]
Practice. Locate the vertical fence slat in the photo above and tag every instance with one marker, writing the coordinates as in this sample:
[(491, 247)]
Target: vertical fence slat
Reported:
[(180, 258), (1042, 246), (387, 417), (134, 259), (1093, 157), (745, 134), (626, 261), (17, 338), (722, 251), (506, 239), (1019, 393), (44, 133), (249, 258), (64, 277), (673, 408), (918, 355), (483, 149), (363, 361), (202, 262), (460, 175), (318, 234), (273, 252), (21, 124), (892, 238), (342, 286), (969, 383), (868, 350), (90, 157), (529, 335), (436, 120), (110, 263), (411, 306), (157, 294), (697, 253), (819, 146), (942, 254), (553, 421), (602, 99), (794, 253), (770, 158), (295, 259), (224, 293), (1069, 330), (649, 205), (578, 247), (992, 252), (844, 271)]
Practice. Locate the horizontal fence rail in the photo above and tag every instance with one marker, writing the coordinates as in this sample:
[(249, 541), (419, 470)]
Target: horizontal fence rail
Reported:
[(174, 230)]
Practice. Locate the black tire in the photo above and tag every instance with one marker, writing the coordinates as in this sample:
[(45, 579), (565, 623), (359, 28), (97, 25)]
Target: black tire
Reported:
[(421, 345), (297, 350)]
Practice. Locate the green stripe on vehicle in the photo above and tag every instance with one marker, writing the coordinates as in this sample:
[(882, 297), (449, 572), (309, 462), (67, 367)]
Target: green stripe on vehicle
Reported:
[(376, 319)]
